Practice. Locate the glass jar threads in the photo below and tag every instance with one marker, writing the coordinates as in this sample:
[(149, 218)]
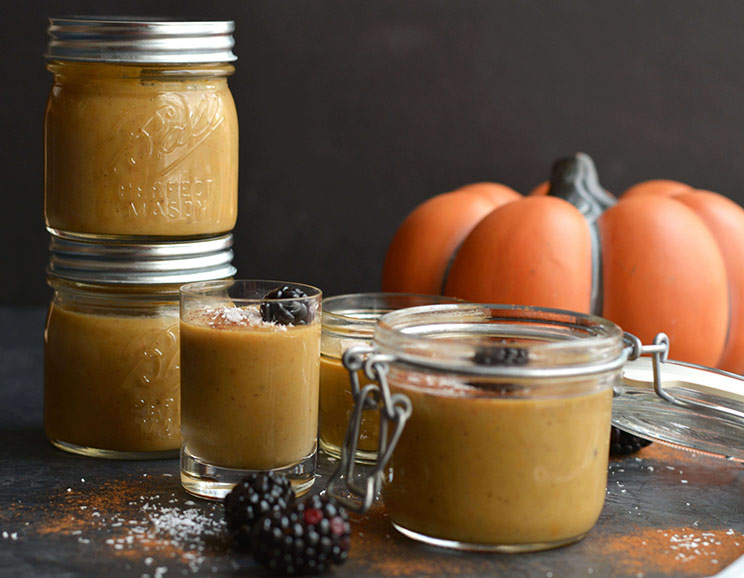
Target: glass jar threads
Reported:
[(499, 422), (111, 384), (141, 132), (349, 320)]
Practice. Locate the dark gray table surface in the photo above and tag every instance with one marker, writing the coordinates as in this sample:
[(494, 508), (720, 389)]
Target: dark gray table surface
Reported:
[(668, 512)]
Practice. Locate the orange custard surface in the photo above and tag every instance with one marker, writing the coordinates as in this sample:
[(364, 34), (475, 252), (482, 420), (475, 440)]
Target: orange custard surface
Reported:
[(336, 406), (484, 469)]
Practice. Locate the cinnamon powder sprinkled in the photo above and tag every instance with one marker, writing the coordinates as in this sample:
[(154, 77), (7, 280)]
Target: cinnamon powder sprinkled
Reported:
[(131, 520), (676, 551), (149, 520), (373, 535)]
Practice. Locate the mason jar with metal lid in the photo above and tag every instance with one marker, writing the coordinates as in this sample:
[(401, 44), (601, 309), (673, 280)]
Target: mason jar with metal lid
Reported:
[(495, 420), (141, 132), (111, 362)]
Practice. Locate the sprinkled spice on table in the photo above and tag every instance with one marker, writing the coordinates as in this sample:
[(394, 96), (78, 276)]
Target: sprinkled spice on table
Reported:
[(143, 523)]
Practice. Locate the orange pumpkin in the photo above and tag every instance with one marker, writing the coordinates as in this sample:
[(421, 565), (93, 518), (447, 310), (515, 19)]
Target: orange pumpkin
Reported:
[(725, 220), (421, 249), (664, 257)]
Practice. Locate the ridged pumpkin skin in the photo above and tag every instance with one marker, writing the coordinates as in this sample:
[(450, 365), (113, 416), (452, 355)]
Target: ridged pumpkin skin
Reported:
[(672, 261), (420, 252), (663, 271), (725, 220), (533, 251)]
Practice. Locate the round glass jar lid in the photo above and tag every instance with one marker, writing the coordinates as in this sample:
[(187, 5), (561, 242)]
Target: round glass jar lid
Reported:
[(694, 407), (125, 263), (140, 40)]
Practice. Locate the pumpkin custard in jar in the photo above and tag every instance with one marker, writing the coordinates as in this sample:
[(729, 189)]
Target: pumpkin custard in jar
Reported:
[(498, 421), (141, 132), (111, 357), (349, 320)]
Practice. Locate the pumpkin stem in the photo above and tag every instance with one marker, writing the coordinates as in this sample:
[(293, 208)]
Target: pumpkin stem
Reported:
[(575, 180)]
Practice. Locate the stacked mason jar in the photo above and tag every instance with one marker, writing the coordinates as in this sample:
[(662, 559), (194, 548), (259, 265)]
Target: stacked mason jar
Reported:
[(141, 171)]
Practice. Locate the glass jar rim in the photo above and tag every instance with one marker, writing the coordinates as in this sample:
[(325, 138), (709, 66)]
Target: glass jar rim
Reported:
[(354, 315), (220, 288), (471, 338)]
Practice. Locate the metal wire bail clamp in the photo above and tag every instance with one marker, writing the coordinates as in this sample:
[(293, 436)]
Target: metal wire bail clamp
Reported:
[(395, 408)]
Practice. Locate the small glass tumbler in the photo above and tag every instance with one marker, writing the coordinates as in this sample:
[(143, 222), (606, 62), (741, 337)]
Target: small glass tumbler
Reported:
[(250, 358)]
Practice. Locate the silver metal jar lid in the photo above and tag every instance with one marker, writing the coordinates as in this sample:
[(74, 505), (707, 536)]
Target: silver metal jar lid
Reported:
[(140, 40), (125, 263)]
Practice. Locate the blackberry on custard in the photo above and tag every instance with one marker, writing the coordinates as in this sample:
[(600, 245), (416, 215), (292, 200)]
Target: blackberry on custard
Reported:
[(284, 311), (307, 538), (251, 499), (503, 355)]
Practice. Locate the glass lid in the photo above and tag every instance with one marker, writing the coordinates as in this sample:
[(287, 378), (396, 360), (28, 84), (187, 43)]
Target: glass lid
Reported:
[(694, 407)]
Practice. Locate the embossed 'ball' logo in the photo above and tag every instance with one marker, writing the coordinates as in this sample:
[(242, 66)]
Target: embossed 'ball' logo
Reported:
[(156, 143), (151, 167), (154, 380)]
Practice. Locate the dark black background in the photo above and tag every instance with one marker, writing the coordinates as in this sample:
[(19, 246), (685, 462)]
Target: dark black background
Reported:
[(352, 112)]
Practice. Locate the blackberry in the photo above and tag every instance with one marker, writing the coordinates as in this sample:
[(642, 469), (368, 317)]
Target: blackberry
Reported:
[(500, 356), (250, 500), (286, 312), (496, 388), (622, 443), (305, 539)]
